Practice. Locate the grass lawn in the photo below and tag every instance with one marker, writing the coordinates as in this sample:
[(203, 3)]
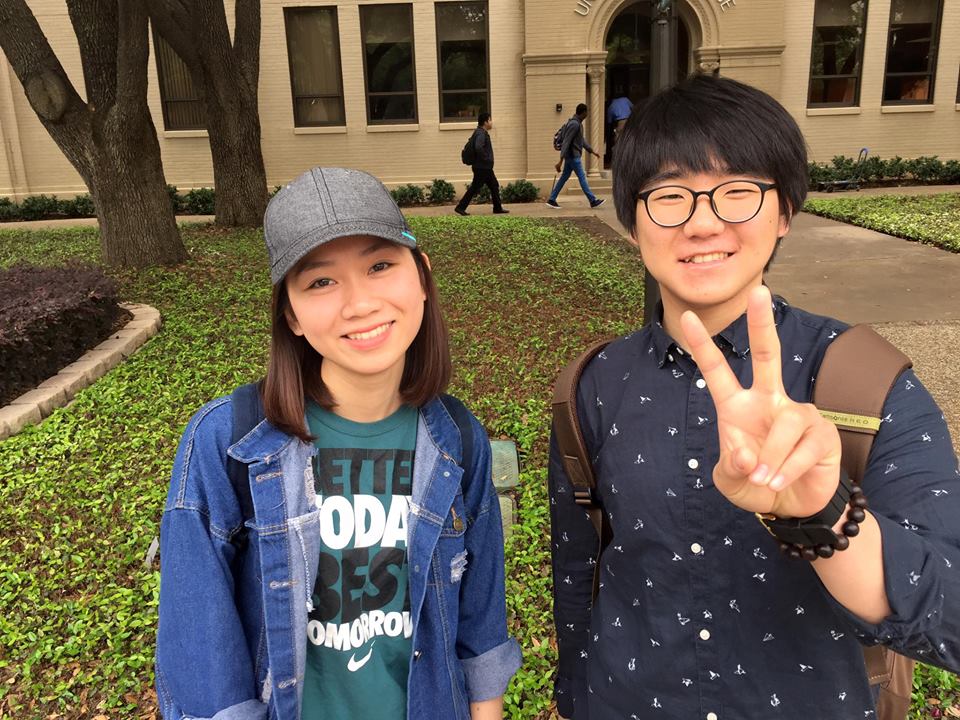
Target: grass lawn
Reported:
[(931, 219), (81, 494)]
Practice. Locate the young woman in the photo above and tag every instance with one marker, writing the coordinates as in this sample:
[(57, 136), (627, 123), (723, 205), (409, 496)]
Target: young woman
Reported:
[(366, 578)]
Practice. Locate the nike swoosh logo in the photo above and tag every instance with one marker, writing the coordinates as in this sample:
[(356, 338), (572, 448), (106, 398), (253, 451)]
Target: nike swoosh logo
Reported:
[(353, 664)]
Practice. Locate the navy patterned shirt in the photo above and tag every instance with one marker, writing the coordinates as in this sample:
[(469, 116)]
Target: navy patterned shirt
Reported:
[(698, 614)]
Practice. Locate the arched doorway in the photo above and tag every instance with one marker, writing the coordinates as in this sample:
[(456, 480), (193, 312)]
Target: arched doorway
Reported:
[(628, 62)]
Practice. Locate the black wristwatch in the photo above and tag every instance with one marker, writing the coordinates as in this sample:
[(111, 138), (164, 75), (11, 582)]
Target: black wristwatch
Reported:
[(816, 529)]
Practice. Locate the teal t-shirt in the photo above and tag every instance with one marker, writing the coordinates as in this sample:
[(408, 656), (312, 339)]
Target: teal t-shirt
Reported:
[(358, 633)]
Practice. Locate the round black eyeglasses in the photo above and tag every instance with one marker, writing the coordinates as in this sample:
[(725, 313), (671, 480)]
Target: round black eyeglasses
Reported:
[(735, 201)]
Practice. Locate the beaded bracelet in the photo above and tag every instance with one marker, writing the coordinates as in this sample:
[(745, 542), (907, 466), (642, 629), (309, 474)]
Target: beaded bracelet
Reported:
[(851, 528)]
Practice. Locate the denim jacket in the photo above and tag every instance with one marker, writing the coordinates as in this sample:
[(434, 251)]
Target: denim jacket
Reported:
[(231, 643)]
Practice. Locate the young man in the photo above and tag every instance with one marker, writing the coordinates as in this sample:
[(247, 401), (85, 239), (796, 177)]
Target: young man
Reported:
[(618, 112), (701, 419), (572, 147), (482, 168)]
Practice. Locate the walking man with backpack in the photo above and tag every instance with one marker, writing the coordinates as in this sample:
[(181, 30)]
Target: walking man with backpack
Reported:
[(572, 143), (701, 434), (478, 153)]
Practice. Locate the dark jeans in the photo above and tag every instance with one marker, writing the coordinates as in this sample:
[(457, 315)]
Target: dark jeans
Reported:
[(482, 176)]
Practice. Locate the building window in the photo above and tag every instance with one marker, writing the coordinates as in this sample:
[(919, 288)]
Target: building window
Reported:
[(181, 103), (316, 81), (464, 60), (388, 63), (836, 58), (912, 44)]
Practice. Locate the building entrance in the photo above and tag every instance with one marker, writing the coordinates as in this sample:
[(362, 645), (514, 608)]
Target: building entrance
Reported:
[(628, 63)]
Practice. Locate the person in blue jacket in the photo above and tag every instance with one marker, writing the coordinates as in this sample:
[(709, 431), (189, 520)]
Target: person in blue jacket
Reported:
[(369, 580)]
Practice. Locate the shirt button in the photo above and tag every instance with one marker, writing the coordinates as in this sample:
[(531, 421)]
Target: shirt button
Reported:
[(446, 473), (693, 464), (669, 357), (704, 634), (701, 383), (696, 548), (712, 716)]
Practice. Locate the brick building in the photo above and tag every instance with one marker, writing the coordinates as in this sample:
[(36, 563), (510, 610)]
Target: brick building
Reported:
[(394, 88)]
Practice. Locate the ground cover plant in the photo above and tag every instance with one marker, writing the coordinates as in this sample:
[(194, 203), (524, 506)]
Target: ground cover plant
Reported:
[(930, 219), (81, 494)]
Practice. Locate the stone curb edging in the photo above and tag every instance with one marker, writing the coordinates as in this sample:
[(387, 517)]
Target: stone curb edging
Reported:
[(34, 405)]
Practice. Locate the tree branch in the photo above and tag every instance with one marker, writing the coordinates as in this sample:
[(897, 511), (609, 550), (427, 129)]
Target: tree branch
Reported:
[(132, 53), (246, 42), (48, 88), (176, 23), (95, 25)]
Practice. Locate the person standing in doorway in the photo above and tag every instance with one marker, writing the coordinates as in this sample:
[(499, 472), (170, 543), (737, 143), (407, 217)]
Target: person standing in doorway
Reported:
[(572, 146), (618, 112), (482, 168)]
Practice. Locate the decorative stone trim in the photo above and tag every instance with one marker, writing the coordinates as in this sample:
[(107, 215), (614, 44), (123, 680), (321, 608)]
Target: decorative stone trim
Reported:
[(57, 391)]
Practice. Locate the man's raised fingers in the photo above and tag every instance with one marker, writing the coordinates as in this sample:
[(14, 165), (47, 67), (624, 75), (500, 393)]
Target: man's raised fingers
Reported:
[(764, 342), (720, 378)]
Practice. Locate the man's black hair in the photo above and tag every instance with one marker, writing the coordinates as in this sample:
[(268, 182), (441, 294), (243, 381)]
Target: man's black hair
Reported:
[(709, 124), (581, 109), (482, 118)]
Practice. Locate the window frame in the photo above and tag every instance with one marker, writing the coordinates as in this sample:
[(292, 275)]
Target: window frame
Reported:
[(165, 102), (288, 12), (364, 9), (932, 72), (486, 36), (858, 77)]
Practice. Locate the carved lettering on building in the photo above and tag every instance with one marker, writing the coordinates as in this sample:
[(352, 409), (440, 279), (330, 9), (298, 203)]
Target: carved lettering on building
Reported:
[(583, 7), (724, 4)]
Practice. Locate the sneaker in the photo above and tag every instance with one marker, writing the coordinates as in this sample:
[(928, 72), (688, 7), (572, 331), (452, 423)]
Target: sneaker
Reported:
[(501, 211), (598, 202), (554, 204), (460, 211)]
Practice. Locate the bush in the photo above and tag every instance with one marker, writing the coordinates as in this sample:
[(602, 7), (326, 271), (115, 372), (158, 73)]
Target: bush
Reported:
[(520, 191), (407, 195), (199, 201), (80, 206), (924, 169), (441, 191), (49, 317), (176, 202), (9, 210), (38, 207)]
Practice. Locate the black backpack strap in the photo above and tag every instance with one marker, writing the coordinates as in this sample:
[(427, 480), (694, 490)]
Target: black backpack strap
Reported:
[(247, 414), (461, 416)]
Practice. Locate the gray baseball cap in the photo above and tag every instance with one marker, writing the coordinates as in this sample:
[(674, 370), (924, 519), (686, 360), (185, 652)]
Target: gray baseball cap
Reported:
[(324, 204)]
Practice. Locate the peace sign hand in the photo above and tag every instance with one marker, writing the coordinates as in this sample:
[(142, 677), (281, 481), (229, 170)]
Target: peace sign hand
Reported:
[(776, 455)]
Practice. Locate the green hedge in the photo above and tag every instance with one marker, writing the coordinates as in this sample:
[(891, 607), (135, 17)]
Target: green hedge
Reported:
[(922, 170)]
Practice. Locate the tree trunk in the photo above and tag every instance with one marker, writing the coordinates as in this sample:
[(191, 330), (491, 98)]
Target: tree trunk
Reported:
[(227, 76), (110, 139), (238, 172), (137, 226)]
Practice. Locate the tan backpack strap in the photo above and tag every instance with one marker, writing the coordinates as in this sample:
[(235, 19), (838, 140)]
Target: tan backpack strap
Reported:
[(857, 372), (566, 425), (573, 448)]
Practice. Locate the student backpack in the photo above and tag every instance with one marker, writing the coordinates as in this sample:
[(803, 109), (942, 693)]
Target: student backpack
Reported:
[(558, 139), (248, 413), (468, 156), (857, 372)]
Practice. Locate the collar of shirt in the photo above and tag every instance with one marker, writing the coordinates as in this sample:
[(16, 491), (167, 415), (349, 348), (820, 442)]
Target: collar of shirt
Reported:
[(734, 338)]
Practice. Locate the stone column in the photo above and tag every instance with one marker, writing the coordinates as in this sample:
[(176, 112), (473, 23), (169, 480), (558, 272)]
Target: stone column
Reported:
[(595, 120)]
